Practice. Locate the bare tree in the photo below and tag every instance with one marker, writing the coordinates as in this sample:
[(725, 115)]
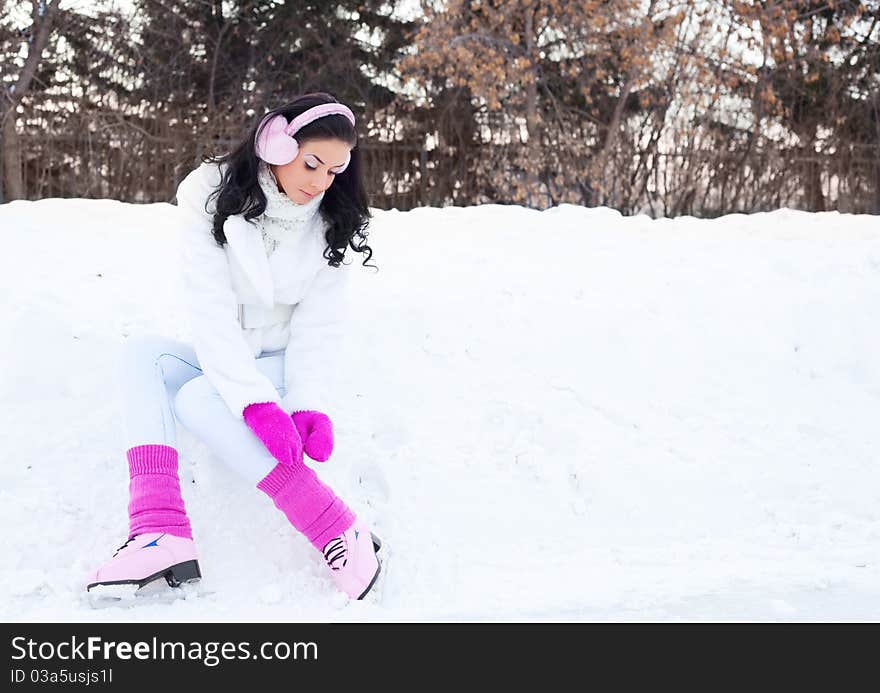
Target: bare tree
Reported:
[(35, 39)]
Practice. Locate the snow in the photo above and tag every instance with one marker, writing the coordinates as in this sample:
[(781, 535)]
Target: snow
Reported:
[(567, 415)]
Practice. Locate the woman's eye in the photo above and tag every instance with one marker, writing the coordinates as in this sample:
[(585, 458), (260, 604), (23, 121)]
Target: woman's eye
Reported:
[(311, 168)]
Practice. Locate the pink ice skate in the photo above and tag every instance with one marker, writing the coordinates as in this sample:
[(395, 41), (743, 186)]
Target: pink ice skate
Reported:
[(142, 562), (352, 560)]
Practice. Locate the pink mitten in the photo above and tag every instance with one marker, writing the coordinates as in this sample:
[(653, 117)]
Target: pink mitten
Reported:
[(316, 432), (274, 428)]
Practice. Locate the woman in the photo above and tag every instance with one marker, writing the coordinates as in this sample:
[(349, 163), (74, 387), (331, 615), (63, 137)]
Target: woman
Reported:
[(264, 230)]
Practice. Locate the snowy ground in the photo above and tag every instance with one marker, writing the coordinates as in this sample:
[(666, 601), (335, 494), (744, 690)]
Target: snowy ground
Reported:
[(557, 416)]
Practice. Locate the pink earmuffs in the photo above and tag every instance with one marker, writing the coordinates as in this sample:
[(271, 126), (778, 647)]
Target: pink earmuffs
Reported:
[(275, 142)]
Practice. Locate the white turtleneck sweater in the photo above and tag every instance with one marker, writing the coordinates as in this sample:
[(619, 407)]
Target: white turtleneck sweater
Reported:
[(283, 217)]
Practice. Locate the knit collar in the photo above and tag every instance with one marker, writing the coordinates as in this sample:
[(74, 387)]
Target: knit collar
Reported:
[(278, 204)]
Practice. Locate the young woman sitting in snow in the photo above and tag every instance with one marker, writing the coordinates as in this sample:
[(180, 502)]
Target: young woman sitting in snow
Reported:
[(263, 233)]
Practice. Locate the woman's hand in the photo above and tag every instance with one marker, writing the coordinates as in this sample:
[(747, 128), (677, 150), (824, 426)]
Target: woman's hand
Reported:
[(316, 432), (277, 431)]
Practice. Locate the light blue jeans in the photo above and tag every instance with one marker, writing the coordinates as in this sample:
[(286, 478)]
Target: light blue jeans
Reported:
[(162, 384)]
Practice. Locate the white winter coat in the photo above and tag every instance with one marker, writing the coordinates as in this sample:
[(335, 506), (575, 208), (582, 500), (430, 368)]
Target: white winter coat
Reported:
[(228, 290)]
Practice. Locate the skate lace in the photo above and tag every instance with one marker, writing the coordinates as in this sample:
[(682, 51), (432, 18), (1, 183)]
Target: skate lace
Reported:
[(127, 542), (334, 552)]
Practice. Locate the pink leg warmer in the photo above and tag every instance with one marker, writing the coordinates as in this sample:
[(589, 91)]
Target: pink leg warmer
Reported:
[(155, 503), (310, 505)]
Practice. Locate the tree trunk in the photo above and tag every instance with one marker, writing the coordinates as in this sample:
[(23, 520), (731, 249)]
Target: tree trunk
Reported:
[(611, 139), (813, 186), (533, 146), (13, 185), (876, 209)]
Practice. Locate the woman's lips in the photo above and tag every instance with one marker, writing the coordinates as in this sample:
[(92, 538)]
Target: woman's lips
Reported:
[(305, 193)]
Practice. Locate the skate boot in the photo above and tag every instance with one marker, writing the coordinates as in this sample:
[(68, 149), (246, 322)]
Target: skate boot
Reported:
[(147, 563), (352, 560)]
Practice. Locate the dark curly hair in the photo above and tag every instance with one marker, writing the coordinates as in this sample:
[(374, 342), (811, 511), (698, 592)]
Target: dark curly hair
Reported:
[(344, 206)]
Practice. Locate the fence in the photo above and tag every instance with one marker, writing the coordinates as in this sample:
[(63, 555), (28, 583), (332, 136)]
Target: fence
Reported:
[(142, 170), (144, 167)]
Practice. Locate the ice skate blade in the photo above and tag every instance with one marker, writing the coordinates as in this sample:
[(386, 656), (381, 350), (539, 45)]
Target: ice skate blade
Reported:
[(376, 592), (157, 591)]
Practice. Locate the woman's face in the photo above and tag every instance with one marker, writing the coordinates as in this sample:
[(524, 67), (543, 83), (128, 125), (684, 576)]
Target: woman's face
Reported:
[(312, 171)]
